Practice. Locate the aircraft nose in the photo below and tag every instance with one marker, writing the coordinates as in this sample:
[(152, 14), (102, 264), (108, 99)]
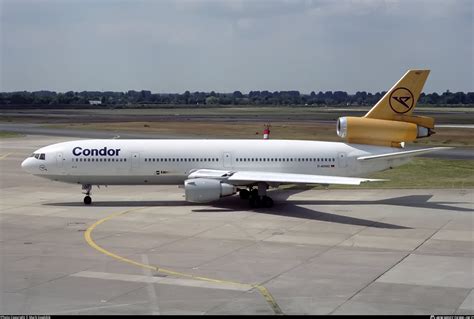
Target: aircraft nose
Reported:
[(27, 165)]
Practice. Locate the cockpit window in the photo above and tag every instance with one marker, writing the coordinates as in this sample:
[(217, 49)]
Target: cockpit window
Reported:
[(39, 156)]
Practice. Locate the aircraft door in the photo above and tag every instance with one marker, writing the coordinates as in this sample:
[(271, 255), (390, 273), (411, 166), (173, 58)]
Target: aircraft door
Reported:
[(59, 160), (135, 161), (227, 160), (341, 157)]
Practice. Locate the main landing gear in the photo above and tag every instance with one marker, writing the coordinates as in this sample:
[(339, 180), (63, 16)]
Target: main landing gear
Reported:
[(86, 189), (257, 197)]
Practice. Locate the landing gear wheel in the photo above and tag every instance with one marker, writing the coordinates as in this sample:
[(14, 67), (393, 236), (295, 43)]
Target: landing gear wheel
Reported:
[(267, 201), (87, 200), (86, 190), (255, 201), (244, 194), (254, 193)]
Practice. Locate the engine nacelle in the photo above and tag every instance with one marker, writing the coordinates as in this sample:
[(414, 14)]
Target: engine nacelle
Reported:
[(367, 130), (205, 190)]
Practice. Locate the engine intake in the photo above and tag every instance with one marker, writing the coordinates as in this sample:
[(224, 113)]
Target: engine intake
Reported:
[(205, 190)]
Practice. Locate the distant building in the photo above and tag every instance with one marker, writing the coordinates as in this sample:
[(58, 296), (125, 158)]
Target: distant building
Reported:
[(95, 102)]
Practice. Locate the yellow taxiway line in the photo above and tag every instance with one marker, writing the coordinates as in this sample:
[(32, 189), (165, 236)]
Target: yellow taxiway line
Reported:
[(2, 157), (88, 237)]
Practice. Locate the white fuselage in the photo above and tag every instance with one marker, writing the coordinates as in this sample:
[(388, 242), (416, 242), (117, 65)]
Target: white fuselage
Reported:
[(138, 162)]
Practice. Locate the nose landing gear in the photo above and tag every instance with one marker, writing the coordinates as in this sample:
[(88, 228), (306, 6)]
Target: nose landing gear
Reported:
[(87, 190)]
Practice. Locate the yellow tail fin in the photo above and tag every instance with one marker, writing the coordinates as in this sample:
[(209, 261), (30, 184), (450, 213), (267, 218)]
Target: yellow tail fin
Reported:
[(401, 99)]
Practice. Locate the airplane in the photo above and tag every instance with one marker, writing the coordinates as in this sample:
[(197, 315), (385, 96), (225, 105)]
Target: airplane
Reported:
[(211, 169)]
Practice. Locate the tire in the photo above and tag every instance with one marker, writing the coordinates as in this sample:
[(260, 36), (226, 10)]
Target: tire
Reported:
[(254, 193), (255, 201), (267, 202), (87, 200), (244, 194)]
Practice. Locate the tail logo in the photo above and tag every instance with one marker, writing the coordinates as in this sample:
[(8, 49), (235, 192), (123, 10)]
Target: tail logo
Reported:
[(401, 100)]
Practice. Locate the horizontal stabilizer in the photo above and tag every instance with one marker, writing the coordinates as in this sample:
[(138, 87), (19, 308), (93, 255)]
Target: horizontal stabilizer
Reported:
[(402, 154)]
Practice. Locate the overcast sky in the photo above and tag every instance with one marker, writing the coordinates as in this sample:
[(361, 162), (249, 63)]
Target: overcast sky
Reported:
[(173, 46)]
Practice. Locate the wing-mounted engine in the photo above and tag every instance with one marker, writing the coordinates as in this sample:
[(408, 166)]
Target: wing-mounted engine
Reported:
[(362, 130), (205, 190)]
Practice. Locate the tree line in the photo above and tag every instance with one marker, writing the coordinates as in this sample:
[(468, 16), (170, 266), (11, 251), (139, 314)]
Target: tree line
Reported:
[(144, 97)]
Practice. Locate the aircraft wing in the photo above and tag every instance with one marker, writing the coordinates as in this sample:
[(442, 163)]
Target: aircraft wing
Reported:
[(401, 154), (249, 177)]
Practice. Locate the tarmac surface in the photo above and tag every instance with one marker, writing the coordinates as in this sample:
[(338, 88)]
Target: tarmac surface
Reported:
[(144, 250)]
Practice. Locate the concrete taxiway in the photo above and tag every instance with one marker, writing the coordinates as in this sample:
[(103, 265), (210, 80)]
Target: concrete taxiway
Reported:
[(143, 250)]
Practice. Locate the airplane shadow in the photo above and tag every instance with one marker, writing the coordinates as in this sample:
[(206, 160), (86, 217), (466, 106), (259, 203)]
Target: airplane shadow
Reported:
[(419, 201), (291, 208)]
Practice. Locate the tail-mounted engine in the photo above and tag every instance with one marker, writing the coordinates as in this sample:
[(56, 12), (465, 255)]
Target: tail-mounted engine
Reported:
[(362, 130)]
